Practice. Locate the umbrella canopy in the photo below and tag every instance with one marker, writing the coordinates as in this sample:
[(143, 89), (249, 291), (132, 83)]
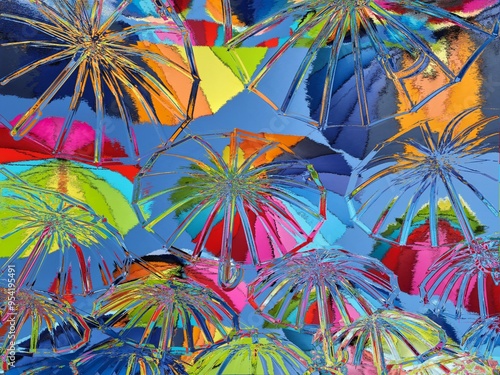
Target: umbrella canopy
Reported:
[(483, 338), (392, 336), (108, 193), (201, 271), (36, 314), (449, 360), (57, 243), (343, 285), (336, 58), (108, 66), (466, 275), (115, 357), (250, 352), (240, 196), (172, 315), (422, 177)]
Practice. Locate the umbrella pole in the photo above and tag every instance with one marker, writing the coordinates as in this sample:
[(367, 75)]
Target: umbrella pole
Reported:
[(325, 322)]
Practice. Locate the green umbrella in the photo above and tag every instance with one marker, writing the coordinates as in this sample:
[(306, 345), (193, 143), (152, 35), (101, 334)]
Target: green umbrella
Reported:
[(108, 193)]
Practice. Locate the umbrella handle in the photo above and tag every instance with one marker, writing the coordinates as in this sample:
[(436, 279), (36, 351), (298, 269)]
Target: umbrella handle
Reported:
[(230, 275)]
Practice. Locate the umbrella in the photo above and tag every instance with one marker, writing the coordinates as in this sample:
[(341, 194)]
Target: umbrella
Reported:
[(202, 271), (422, 177), (392, 336), (106, 192), (337, 58), (344, 285), (51, 238), (108, 67), (467, 275), (242, 197), (115, 357), (449, 360), (253, 353), (483, 338), (165, 314), (26, 324)]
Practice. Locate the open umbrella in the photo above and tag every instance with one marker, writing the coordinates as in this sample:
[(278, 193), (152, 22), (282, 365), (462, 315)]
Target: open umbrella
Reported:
[(26, 324), (344, 285), (107, 192), (202, 271), (483, 338), (336, 58), (115, 357), (422, 177), (466, 275), (252, 353), (57, 243), (107, 65), (242, 197), (392, 336), (173, 315), (449, 360)]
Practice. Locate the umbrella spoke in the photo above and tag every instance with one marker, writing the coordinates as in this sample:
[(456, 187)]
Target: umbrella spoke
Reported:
[(340, 34), (28, 120), (319, 42), (358, 67), (45, 28)]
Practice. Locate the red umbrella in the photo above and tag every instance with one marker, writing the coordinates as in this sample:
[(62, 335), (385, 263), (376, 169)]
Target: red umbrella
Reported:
[(39, 145)]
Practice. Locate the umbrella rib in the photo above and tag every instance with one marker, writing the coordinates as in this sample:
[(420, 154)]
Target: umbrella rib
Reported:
[(68, 52), (28, 120), (413, 39), (81, 81), (114, 16), (114, 87), (358, 68), (135, 51), (410, 213), (331, 69), (275, 57), (148, 81), (322, 37), (121, 75), (45, 28), (240, 209), (248, 163), (207, 226), (285, 196)]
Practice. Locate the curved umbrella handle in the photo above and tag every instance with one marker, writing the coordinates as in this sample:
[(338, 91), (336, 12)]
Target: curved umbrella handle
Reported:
[(230, 275)]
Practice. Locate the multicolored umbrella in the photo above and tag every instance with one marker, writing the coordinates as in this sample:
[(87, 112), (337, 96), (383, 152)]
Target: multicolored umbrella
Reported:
[(344, 286), (449, 360), (483, 338), (108, 66), (108, 193), (57, 243), (422, 177), (252, 353), (115, 357), (34, 316), (465, 275), (392, 337), (242, 197), (330, 61), (167, 315)]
